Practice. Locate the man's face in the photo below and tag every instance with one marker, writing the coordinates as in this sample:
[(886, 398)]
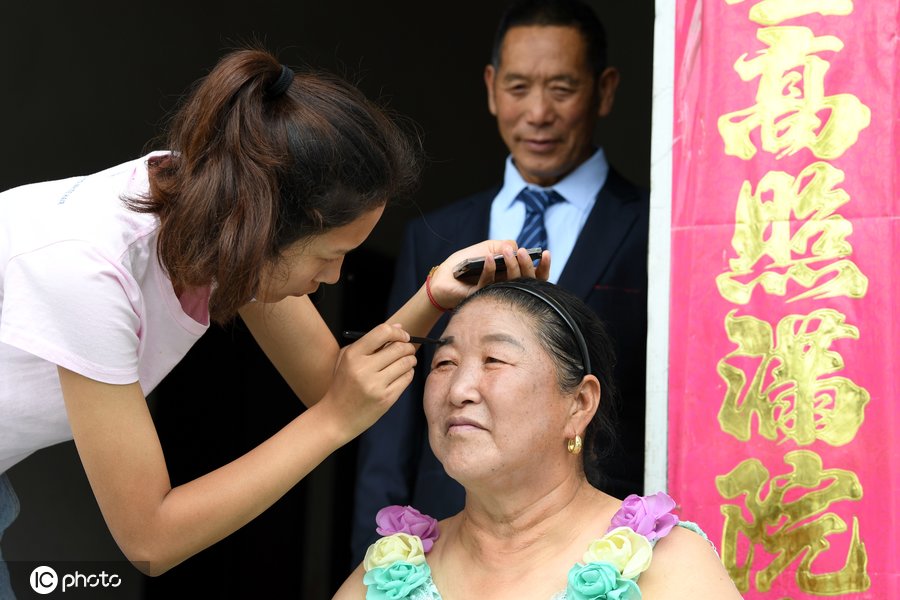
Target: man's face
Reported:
[(547, 100)]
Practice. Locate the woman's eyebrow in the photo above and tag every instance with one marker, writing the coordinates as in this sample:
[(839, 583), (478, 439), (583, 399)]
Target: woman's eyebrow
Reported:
[(503, 338)]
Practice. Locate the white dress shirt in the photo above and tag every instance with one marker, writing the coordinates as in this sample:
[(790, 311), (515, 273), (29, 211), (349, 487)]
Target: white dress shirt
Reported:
[(562, 220)]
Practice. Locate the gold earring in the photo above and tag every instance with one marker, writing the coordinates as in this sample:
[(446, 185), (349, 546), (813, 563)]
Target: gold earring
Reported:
[(574, 445)]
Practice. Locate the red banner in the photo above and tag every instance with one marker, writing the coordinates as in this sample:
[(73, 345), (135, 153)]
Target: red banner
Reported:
[(784, 332)]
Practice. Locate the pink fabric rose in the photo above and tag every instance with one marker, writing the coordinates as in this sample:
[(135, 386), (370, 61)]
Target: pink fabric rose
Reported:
[(406, 519), (649, 516)]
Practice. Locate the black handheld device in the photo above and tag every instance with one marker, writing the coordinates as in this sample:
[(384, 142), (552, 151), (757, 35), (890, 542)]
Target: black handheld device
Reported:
[(471, 268)]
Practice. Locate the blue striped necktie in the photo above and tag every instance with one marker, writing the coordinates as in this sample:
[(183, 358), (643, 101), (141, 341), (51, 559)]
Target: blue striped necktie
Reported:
[(534, 234)]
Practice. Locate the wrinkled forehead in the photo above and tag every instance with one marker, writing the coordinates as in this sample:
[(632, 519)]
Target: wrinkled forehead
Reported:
[(486, 315)]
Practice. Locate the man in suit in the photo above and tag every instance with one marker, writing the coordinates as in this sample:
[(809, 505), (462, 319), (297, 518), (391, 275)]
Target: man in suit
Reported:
[(547, 85)]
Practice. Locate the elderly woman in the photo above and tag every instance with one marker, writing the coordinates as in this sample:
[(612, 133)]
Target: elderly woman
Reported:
[(518, 394)]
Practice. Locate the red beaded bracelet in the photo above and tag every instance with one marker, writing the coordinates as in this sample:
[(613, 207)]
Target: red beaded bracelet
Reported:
[(434, 302)]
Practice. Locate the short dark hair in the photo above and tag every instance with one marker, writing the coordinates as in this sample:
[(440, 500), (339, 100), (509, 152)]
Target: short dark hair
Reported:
[(564, 13), (251, 173), (561, 345)]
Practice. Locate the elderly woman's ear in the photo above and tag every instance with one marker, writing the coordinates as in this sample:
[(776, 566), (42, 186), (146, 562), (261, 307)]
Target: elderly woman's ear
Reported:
[(585, 402)]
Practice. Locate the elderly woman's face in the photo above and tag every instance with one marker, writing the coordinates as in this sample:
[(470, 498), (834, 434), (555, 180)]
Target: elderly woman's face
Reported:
[(492, 399)]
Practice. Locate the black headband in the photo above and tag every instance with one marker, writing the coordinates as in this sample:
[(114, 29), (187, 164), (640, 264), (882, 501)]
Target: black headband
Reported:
[(557, 307), (281, 85)]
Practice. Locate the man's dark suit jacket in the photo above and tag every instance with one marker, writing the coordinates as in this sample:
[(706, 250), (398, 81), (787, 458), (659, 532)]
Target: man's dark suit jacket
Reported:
[(607, 269)]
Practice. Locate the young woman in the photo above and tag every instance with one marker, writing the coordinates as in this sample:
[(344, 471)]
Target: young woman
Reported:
[(270, 177)]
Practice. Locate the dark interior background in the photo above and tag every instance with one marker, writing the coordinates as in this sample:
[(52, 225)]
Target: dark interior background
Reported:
[(86, 85)]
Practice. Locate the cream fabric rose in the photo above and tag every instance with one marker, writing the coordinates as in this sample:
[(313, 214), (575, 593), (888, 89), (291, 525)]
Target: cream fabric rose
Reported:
[(624, 549), (394, 548)]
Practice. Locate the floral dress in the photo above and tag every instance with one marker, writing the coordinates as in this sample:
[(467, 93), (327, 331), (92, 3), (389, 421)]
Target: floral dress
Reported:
[(397, 569)]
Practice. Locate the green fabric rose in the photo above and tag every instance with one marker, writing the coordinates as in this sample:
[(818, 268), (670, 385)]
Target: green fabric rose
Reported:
[(395, 582), (600, 581)]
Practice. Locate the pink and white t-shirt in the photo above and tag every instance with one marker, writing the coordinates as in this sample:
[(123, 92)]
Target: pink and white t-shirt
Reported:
[(81, 287)]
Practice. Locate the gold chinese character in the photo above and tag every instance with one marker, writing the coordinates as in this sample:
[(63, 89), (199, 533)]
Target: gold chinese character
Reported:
[(762, 229), (772, 12), (790, 392), (788, 528), (791, 110)]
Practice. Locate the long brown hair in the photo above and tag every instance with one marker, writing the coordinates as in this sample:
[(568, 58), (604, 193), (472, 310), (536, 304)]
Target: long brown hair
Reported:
[(251, 172)]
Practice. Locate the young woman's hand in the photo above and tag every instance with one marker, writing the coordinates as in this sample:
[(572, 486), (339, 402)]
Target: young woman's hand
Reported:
[(449, 291), (369, 376)]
